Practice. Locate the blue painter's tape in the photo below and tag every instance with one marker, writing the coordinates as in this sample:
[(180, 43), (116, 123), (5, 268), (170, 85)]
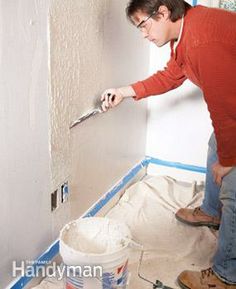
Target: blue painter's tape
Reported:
[(43, 259), (192, 168), (194, 2), (54, 249)]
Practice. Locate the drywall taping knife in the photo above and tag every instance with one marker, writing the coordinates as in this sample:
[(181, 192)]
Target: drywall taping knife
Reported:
[(90, 114), (86, 116)]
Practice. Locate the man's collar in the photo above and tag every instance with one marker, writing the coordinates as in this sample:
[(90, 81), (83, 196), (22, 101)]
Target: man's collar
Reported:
[(180, 34)]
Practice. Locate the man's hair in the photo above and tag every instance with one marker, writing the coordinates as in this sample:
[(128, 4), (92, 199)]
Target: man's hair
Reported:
[(177, 8)]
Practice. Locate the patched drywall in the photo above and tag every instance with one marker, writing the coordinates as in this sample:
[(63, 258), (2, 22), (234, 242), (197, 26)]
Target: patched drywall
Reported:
[(93, 47), (76, 42)]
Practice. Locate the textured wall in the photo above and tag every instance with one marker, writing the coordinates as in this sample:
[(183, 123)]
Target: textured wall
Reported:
[(76, 42), (93, 47)]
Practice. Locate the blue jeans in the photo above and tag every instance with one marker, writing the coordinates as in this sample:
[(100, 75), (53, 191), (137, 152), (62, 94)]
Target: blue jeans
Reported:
[(221, 201)]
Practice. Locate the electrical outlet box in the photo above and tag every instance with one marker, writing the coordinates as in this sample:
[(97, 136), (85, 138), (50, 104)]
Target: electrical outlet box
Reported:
[(54, 200), (64, 192)]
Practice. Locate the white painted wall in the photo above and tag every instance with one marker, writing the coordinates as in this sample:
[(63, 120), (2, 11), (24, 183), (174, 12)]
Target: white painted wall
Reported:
[(25, 218), (209, 3), (179, 125)]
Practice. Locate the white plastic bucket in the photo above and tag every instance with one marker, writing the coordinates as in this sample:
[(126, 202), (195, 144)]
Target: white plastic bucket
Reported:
[(95, 241)]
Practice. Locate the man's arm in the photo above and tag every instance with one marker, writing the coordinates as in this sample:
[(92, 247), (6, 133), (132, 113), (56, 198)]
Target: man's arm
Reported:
[(162, 81)]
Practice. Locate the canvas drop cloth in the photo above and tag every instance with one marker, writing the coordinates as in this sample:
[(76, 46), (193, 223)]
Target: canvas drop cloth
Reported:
[(148, 207)]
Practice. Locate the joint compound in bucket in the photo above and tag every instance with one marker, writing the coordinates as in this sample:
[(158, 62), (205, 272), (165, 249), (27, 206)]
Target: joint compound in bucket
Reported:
[(91, 243)]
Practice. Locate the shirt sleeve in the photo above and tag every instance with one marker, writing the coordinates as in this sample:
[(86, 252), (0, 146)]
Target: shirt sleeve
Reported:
[(216, 65), (160, 82)]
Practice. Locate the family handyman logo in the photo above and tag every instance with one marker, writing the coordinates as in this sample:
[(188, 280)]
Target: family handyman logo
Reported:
[(34, 269)]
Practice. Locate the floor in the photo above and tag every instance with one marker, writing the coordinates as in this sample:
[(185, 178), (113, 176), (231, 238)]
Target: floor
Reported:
[(148, 207)]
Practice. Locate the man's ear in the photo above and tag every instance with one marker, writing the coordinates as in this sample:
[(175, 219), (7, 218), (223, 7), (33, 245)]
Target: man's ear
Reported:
[(164, 12)]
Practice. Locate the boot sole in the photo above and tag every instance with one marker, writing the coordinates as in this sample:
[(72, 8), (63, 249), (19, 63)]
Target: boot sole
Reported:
[(198, 224), (182, 285)]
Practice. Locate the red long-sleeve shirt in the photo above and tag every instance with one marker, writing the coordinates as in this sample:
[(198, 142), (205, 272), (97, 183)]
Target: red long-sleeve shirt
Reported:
[(206, 54)]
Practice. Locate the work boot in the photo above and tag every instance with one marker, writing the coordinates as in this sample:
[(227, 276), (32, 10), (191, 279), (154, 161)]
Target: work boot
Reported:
[(196, 217), (202, 280)]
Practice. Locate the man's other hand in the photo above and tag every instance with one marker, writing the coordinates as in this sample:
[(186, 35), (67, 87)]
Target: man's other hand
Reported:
[(219, 172)]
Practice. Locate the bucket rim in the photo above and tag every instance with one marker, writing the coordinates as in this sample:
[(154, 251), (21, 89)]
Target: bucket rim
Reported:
[(126, 240)]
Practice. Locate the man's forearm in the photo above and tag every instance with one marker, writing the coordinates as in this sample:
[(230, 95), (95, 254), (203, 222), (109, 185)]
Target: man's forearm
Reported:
[(127, 91)]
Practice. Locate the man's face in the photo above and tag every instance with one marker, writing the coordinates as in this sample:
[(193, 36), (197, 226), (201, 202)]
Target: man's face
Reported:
[(155, 30)]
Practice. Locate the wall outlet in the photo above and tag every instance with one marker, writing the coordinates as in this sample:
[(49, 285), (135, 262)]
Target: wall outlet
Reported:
[(64, 192), (54, 200)]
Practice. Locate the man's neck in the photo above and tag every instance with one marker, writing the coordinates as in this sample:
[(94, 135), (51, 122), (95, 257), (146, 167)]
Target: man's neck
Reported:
[(176, 29)]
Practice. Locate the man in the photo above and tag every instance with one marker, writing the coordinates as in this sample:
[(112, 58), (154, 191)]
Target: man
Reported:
[(203, 49)]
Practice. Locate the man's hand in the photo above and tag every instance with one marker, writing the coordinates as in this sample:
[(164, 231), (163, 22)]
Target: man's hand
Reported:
[(111, 98), (219, 172), (114, 96)]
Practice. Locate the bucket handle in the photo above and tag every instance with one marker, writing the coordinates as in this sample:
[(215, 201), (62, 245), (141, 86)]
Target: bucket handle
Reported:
[(158, 284)]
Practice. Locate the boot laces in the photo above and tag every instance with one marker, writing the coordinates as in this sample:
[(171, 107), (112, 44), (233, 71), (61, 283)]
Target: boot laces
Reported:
[(196, 211), (207, 273)]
